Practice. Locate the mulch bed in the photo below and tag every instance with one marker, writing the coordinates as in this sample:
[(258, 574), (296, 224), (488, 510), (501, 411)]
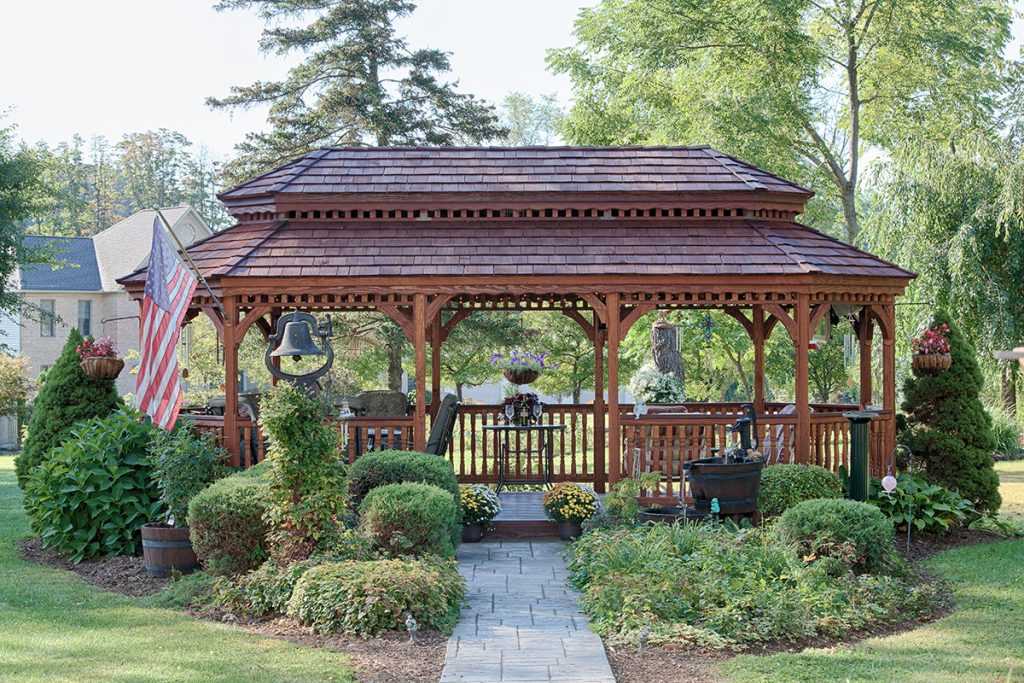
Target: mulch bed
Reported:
[(125, 575), (923, 546), (664, 664), (389, 658)]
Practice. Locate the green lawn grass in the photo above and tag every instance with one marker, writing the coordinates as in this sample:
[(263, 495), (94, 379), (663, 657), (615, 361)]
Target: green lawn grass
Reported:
[(983, 640), (54, 627)]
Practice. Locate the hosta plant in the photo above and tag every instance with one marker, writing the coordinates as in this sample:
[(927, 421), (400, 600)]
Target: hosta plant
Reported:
[(94, 492), (928, 507)]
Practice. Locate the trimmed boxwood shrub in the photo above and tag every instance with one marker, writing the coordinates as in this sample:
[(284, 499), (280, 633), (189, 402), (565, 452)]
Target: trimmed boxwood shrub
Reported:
[(91, 496), (226, 523), (393, 467), (267, 589), (783, 486), (857, 534), (366, 598), (410, 519), (67, 396)]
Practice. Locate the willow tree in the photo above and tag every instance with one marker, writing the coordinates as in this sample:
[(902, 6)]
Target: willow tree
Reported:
[(800, 87)]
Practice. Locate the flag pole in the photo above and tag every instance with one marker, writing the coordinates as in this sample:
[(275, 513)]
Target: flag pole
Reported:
[(191, 263)]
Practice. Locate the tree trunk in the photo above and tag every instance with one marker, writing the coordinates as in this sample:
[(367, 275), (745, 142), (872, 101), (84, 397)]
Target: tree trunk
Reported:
[(576, 394), (1008, 387), (665, 347), (458, 390), (395, 345)]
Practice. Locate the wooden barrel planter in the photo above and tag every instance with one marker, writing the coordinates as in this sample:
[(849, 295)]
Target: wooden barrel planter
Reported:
[(521, 375), (735, 485), (166, 548), (932, 363), (102, 367), (472, 533)]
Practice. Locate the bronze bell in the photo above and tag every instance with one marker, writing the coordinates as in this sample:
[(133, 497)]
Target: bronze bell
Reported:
[(297, 342)]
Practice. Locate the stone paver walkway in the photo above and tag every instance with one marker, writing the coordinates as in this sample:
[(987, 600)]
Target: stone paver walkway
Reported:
[(522, 622)]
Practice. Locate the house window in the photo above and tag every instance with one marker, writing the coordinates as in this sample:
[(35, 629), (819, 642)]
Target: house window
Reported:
[(46, 317), (85, 317)]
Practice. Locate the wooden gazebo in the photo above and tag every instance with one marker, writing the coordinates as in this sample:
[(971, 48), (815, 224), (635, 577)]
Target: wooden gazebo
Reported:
[(603, 235)]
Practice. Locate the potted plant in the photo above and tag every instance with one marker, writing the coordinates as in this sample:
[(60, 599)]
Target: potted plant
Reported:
[(523, 409), (99, 358), (650, 385), (931, 350), (570, 505), (520, 367), (184, 463), (479, 506)]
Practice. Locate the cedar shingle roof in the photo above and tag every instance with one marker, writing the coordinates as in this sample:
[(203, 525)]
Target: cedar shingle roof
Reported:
[(551, 247), (514, 169)]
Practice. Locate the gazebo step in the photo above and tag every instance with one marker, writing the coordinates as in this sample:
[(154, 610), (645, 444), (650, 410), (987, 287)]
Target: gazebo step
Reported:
[(523, 528)]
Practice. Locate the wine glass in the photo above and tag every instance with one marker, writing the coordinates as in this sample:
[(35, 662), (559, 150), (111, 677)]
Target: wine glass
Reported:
[(538, 409), (510, 411)]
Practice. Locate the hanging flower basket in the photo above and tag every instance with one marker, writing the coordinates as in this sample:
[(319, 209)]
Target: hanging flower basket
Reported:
[(102, 367), (932, 363), (521, 375)]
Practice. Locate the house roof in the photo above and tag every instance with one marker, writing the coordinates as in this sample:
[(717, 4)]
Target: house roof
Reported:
[(542, 247), (124, 246), (75, 268), (513, 170)]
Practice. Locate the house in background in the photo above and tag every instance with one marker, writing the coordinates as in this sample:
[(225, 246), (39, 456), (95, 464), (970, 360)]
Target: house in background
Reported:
[(80, 289)]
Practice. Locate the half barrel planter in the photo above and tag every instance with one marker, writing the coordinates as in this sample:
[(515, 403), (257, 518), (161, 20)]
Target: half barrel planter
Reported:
[(166, 549)]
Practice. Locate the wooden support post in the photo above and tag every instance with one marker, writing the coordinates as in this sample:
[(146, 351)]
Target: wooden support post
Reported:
[(231, 438), (889, 383), (275, 315), (600, 473), (757, 337), (419, 325), (435, 365), (803, 408), (865, 333), (614, 432)]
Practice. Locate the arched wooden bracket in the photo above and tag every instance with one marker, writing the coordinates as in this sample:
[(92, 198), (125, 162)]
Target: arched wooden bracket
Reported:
[(817, 313), (588, 327), (779, 314), (255, 314), (630, 314), (741, 318), (595, 303), (215, 316), (865, 325), (437, 302), (457, 317), (401, 317)]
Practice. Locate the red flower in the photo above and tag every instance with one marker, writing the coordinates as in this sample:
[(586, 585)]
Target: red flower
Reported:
[(932, 341)]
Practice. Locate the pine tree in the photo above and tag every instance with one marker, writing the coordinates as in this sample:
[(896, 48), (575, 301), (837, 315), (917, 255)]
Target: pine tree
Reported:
[(949, 430), (67, 396), (359, 83)]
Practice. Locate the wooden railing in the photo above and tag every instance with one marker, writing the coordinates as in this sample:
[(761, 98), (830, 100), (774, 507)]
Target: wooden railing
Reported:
[(659, 441), (252, 447)]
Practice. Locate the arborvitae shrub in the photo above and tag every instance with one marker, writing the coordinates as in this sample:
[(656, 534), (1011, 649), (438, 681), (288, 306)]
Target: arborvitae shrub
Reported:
[(67, 396), (949, 431)]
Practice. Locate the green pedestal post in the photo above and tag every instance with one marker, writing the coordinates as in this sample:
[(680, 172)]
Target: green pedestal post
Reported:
[(860, 480)]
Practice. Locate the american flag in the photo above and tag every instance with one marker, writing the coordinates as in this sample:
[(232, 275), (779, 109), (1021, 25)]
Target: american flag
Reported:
[(169, 288)]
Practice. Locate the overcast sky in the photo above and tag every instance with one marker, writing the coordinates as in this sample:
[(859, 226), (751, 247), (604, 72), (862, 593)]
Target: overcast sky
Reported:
[(116, 66)]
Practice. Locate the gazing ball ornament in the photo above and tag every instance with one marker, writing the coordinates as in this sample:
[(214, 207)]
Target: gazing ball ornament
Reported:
[(889, 483)]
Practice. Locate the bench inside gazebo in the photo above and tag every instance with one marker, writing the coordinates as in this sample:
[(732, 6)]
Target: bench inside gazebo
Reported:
[(601, 235)]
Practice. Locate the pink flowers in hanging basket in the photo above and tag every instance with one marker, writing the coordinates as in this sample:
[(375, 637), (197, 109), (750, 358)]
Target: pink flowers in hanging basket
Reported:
[(932, 341), (103, 347)]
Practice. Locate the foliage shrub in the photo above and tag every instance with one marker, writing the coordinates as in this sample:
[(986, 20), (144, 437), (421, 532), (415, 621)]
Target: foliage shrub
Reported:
[(67, 396), (93, 493), (949, 431), (411, 519), (783, 486), (1006, 433), (184, 463), (621, 504), (855, 534), (393, 467), (929, 507), (267, 589), (226, 523), (367, 598), (306, 476), (708, 586)]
